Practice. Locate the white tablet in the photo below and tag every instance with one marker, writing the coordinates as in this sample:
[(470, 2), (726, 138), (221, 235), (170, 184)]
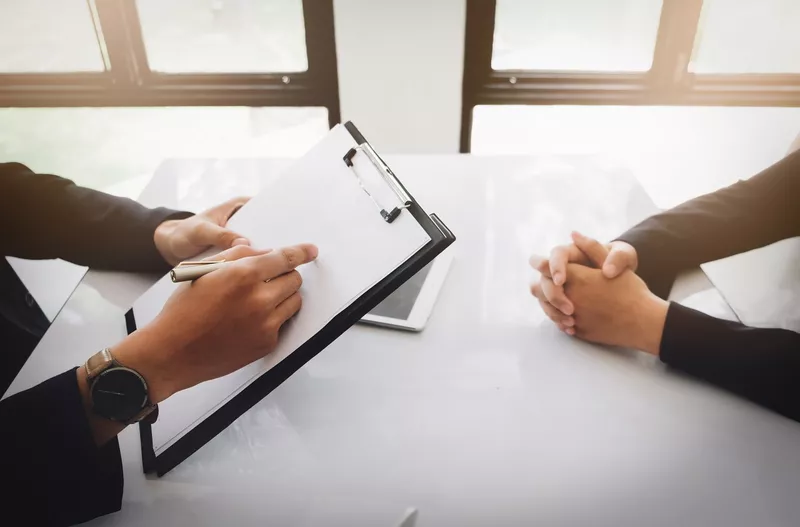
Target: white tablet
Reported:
[(410, 306)]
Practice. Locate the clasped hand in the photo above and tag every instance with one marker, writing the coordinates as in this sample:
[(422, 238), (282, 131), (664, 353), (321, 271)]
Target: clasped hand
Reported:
[(591, 291)]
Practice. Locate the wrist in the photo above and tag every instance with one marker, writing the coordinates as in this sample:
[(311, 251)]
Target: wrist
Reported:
[(161, 239), (652, 320), (142, 352)]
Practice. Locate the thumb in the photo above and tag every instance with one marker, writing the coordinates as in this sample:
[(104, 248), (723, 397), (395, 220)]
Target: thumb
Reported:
[(618, 261), (208, 234), (593, 249)]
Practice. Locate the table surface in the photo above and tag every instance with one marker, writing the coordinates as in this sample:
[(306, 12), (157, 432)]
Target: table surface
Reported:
[(488, 417)]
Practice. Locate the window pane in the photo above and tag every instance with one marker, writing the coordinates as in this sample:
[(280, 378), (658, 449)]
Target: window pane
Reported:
[(676, 152), (224, 36), (587, 35), (42, 36), (748, 36), (105, 148)]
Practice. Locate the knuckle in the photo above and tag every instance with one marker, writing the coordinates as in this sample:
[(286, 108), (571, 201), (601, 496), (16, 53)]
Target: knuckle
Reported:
[(240, 274), (271, 327), (296, 280), (290, 257), (269, 296), (223, 236)]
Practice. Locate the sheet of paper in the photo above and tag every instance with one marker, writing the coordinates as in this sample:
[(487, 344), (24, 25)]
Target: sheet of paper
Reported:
[(762, 286), (317, 200)]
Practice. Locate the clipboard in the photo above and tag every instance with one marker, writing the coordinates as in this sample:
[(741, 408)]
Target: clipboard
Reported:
[(390, 202)]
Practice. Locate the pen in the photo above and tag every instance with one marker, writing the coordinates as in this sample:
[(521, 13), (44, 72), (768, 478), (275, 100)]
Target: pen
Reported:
[(186, 271)]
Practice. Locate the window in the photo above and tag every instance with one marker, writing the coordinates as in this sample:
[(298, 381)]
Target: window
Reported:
[(747, 36), (100, 90), (575, 35), (202, 36), (628, 53), (38, 36)]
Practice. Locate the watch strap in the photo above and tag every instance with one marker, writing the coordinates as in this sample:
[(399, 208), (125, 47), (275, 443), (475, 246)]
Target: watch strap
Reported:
[(98, 363), (103, 360), (149, 414)]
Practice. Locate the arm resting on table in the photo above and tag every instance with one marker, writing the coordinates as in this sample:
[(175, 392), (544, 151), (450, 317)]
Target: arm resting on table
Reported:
[(47, 216), (747, 215), (762, 365)]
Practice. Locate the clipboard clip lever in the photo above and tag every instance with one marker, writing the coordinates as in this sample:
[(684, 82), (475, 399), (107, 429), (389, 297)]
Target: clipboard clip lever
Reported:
[(405, 200)]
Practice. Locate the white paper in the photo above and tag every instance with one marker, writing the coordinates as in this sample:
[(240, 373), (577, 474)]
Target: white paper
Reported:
[(317, 200), (762, 286)]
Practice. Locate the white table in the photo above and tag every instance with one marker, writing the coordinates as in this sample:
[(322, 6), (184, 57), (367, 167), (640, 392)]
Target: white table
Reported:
[(489, 417)]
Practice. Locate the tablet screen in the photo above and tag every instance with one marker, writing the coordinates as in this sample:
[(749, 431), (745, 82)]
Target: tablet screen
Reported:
[(399, 304)]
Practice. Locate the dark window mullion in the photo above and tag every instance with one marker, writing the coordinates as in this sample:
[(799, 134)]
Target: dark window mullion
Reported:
[(478, 46), (323, 78)]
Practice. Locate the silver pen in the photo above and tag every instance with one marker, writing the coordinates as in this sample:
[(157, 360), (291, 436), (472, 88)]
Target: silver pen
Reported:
[(186, 271)]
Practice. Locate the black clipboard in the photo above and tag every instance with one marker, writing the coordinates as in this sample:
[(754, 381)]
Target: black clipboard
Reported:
[(222, 417)]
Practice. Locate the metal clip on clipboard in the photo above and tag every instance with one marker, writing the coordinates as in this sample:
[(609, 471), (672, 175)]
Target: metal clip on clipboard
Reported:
[(388, 176)]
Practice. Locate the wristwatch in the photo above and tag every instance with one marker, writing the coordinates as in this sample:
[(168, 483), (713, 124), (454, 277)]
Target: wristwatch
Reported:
[(118, 393)]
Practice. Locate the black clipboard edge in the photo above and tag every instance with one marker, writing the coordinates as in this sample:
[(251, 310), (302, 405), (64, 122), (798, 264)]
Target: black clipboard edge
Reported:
[(213, 424), (145, 432)]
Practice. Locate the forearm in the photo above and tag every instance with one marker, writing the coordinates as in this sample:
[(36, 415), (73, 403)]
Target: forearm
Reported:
[(54, 218), (762, 365), (744, 216)]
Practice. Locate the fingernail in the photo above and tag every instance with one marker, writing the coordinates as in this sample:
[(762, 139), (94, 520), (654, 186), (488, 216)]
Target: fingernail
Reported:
[(558, 278), (240, 241), (313, 251), (568, 309)]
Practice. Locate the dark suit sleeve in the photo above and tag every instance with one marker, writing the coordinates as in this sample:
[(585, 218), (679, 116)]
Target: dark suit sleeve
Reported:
[(46, 216), (760, 364), (54, 473), (747, 215)]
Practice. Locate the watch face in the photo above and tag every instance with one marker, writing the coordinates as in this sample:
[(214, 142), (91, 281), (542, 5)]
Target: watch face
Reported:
[(119, 394)]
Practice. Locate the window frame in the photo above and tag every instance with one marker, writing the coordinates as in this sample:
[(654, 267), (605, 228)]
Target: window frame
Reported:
[(668, 82), (129, 82)]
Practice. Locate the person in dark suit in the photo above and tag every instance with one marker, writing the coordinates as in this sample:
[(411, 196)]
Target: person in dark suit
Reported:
[(58, 450), (616, 294)]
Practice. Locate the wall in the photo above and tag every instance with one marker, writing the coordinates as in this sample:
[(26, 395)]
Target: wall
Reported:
[(400, 71)]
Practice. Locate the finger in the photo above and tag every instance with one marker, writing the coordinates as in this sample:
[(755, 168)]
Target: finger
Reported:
[(208, 234), (540, 264), (237, 253), (554, 294), (285, 310), (618, 261), (283, 287), (282, 261), (224, 211), (555, 315), (593, 249), (560, 257)]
